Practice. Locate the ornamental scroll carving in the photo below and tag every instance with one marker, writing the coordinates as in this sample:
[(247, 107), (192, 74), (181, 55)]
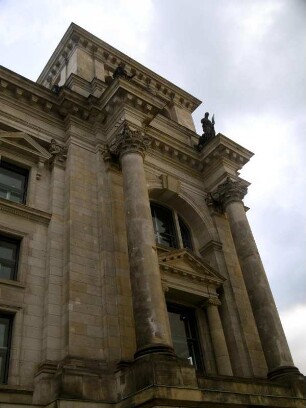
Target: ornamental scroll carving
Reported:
[(226, 193), (130, 141)]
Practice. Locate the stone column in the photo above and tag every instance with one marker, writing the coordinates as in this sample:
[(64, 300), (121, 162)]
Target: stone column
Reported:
[(229, 195), (218, 339), (150, 313)]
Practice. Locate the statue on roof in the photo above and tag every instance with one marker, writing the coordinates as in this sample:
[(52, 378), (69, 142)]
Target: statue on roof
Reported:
[(121, 72), (208, 127)]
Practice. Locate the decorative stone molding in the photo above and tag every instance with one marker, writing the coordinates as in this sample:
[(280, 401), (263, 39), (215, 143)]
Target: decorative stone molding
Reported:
[(213, 204), (24, 211), (228, 192), (213, 301), (165, 286), (210, 247), (58, 152), (105, 153), (130, 141), (188, 267)]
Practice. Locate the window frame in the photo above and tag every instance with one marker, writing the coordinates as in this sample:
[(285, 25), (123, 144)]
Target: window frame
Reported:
[(17, 242), (4, 372), (18, 170), (175, 221), (193, 340)]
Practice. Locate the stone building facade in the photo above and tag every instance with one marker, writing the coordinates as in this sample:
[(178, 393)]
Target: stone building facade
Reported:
[(129, 274)]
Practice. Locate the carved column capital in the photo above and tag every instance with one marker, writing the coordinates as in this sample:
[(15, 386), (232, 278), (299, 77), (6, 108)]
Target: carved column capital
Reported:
[(130, 141), (213, 302), (58, 152), (228, 192)]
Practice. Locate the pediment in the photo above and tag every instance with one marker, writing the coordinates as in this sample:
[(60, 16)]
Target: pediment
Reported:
[(23, 143), (186, 264)]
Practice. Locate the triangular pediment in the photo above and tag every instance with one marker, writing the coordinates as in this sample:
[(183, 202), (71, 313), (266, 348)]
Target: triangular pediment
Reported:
[(183, 262), (23, 143)]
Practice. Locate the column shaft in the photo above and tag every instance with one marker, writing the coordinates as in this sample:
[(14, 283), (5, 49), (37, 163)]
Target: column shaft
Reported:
[(218, 339), (150, 313), (274, 343)]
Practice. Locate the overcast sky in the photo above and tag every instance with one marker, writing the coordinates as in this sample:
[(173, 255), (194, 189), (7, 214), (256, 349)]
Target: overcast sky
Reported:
[(245, 59)]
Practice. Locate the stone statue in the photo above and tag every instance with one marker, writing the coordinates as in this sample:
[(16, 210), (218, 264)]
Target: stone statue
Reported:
[(121, 72), (208, 129)]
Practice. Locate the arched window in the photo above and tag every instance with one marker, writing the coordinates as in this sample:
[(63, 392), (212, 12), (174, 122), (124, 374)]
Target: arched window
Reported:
[(169, 228)]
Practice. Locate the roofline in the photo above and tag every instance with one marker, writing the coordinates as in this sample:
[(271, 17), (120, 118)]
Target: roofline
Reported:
[(75, 31)]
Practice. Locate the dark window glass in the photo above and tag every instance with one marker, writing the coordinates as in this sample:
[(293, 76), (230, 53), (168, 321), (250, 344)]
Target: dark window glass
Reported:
[(184, 335), (13, 182), (163, 226), (9, 250), (5, 343), (185, 233)]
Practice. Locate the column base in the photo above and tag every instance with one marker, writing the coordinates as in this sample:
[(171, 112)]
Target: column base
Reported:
[(284, 371), (154, 348), (289, 375)]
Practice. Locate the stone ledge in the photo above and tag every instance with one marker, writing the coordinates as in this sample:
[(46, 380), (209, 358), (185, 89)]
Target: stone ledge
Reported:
[(24, 211)]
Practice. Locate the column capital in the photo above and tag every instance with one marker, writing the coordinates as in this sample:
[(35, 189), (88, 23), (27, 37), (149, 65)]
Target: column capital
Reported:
[(58, 153), (211, 301), (130, 141), (229, 191)]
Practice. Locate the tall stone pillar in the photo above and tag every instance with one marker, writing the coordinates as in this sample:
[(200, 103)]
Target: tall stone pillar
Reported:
[(150, 313), (274, 343), (218, 338)]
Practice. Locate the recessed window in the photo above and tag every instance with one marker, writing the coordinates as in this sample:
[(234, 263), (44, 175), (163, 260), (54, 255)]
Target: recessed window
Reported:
[(13, 182), (185, 335), (9, 251), (5, 344), (185, 233), (169, 228)]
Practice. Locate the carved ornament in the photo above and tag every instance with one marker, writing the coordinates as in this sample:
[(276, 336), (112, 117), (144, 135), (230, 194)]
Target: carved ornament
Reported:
[(213, 302), (130, 141), (57, 151), (227, 192)]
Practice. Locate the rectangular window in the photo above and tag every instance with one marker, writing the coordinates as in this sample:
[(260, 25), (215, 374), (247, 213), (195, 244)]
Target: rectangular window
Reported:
[(9, 251), (13, 182), (5, 344), (185, 334)]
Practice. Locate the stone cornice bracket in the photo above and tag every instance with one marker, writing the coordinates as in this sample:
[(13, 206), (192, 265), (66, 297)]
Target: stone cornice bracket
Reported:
[(130, 141), (58, 153), (228, 192), (105, 152), (211, 301)]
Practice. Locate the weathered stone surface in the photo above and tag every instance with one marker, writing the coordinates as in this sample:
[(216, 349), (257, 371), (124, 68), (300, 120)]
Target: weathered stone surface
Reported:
[(90, 324)]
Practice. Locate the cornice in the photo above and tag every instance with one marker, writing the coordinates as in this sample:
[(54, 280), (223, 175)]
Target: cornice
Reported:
[(221, 146), (24, 211), (76, 36)]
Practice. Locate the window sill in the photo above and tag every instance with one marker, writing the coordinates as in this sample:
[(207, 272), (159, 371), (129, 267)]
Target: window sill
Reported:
[(11, 282), (24, 211)]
